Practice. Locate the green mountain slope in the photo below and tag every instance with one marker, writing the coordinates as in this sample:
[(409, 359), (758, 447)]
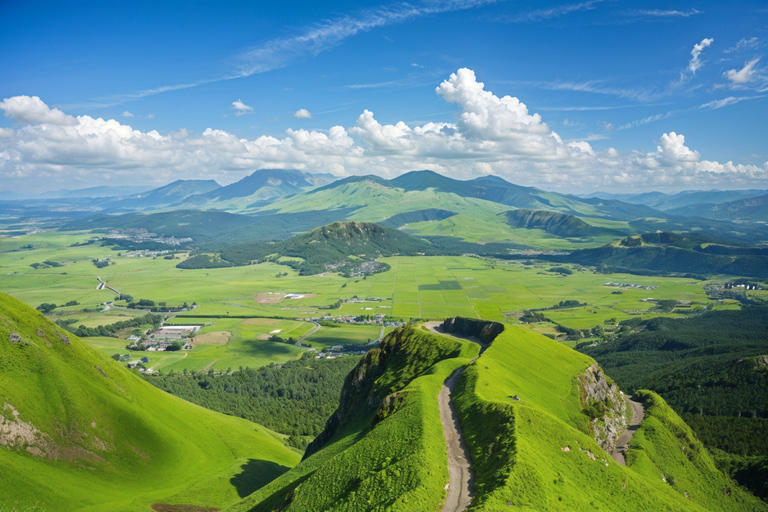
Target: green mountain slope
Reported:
[(561, 224), (383, 449), (78, 431), (413, 190), (339, 246), (748, 209), (258, 188), (672, 252)]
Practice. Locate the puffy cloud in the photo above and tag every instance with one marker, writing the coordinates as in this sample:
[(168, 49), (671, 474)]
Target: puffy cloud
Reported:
[(743, 75), (302, 113), (491, 135), (241, 108), (127, 114), (695, 63), (31, 109)]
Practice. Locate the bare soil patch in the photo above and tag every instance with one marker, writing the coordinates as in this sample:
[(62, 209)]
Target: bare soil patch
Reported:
[(271, 298), (213, 338), (260, 321)]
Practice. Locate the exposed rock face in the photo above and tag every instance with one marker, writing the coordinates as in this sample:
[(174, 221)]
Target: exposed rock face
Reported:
[(15, 338), (602, 401), (484, 330)]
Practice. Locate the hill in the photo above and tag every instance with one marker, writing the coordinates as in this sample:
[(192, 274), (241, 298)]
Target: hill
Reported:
[(260, 187), (78, 431), (671, 252), (749, 209), (560, 224), (666, 202), (383, 449), (161, 197), (414, 189), (349, 247)]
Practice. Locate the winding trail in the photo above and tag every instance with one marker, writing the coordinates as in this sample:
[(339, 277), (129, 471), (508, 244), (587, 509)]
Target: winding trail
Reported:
[(461, 478), (622, 445)]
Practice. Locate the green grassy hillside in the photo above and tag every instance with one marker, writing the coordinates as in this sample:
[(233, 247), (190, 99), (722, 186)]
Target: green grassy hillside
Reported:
[(80, 432), (538, 456), (383, 449)]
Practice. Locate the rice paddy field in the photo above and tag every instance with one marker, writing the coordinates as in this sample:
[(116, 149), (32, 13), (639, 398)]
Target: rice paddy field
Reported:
[(233, 303)]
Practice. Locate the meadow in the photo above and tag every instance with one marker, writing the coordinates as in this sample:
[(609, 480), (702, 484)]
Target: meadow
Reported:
[(428, 287)]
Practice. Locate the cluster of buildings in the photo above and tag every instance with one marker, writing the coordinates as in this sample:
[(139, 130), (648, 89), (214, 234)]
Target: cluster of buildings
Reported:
[(140, 235), (161, 339), (629, 285)]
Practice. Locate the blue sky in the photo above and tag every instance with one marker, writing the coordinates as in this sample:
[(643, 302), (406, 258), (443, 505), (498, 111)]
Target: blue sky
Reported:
[(615, 95)]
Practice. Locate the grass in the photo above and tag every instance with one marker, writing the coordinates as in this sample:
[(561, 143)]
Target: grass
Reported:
[(523, 460), (116, 442), (397, 464)]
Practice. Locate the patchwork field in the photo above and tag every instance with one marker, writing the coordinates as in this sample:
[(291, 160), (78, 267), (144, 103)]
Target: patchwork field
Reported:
[(234, 300)]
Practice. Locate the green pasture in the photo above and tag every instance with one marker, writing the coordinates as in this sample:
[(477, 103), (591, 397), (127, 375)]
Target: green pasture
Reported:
[(344, 334), (432, 287)]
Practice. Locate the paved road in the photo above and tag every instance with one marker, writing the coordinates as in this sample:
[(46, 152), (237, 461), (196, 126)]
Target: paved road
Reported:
[(622, 445)]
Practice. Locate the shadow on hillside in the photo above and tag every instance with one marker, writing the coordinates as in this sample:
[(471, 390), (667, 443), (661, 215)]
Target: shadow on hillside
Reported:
[(255, 475)]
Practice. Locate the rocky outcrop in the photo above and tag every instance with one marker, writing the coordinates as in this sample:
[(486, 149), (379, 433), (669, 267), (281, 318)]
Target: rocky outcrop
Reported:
[(484, 330), (604, 404)]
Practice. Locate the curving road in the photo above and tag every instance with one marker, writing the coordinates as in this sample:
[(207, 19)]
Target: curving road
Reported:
[(461, 478)]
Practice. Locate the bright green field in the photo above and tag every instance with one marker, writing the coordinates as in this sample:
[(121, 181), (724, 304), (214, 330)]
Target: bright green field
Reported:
[(327, 337), (419, 287)]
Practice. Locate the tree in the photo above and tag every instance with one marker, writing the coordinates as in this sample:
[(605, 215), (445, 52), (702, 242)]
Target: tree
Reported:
[(46, 307), (116, 357)]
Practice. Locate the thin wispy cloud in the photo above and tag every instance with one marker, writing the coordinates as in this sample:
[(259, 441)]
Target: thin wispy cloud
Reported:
[(312, 41), (711, 105), (590, 86), (660, 13), (744, 44), (550, 13), (695, 63)]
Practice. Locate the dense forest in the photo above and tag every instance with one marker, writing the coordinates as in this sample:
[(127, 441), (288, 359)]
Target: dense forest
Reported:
[(709, 365), (713, 370), (295, 399)]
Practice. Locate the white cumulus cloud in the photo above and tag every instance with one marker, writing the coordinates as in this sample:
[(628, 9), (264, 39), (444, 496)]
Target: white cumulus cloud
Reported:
[(241, 108), (743, 75), (491, 134), (302, 113), (31, 109)]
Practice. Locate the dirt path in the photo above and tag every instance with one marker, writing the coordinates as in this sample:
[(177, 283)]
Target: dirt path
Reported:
[(461, 478), (460, 475), (622, 445)]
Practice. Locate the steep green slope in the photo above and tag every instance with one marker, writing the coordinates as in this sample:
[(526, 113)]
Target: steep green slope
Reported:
[(538, 456), (560, 224), (78, 431), (383, 449)]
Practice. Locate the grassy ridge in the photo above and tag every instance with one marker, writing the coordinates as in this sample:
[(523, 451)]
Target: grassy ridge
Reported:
[(108, 440), (522, 461), (388, 456)]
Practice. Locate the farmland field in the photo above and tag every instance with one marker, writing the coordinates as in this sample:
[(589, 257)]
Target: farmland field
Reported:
[(237, 300)]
